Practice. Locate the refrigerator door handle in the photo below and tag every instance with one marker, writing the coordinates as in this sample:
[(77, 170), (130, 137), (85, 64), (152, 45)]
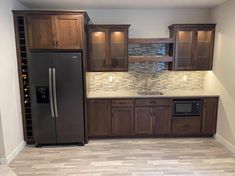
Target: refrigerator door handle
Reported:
[(51, 94), (54, 91)]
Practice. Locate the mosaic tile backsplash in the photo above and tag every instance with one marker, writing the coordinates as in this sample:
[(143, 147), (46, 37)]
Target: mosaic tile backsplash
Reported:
[(145, 76), (148, 49)]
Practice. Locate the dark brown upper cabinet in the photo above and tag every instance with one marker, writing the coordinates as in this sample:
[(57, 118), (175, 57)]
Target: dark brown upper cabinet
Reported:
[(55, 31), (194, 44), (108, 47), (40, 31)]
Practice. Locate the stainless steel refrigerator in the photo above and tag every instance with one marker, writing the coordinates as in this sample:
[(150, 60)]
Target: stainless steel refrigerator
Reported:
[(57, 98)]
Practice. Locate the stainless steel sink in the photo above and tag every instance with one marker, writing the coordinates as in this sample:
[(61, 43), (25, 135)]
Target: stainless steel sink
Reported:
[(150, 93)]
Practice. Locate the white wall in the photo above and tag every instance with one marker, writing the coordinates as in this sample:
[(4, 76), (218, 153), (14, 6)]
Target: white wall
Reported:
[(2, 150), (148, 23), (11, 119), (222, 78)]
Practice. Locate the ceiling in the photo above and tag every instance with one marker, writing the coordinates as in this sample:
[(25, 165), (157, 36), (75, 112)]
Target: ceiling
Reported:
[(119, 4)]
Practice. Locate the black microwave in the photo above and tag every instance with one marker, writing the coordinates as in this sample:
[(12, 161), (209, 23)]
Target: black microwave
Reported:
[(187, 107)]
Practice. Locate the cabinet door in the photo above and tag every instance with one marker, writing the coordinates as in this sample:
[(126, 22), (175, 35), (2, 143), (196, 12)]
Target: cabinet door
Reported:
[(186, 126), (184, 49), (68, 30), (118, 59), (143, 120), (209, 118), (40, 32), (98, 50), (162, 120), (122, 121), (204, 49), (98, 118)]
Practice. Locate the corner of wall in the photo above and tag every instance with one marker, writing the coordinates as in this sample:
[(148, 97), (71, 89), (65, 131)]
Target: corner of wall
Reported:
[(2, 150), (224, 142), (13, 154)]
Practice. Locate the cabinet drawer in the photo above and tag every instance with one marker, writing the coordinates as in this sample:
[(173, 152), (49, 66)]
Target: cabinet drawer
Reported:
[(153, 102), (123, 103), (186, 126)]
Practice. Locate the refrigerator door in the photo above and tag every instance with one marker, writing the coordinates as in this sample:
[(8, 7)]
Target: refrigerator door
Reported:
[(40, 75), (68, 97)]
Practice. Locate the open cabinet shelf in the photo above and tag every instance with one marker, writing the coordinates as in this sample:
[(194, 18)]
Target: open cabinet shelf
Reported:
[(133, 59), (150, 50)]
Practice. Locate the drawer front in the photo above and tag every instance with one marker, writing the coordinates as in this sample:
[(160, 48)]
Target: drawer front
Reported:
[(153, 102), (186, 126), (123, 103)]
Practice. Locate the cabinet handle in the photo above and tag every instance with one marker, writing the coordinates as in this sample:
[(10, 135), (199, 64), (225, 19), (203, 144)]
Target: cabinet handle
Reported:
[(151, 113), (154, 113), (107, 61), (54, 44), (57, 43)]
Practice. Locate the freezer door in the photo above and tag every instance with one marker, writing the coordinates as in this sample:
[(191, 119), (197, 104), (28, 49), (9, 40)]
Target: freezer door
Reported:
[(68, 97), (40, 76)]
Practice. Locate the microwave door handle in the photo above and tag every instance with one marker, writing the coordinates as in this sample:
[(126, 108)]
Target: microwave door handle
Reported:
[(54, 91), (51, 94)]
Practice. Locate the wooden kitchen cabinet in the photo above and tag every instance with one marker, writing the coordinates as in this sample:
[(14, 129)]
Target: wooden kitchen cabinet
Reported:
[(40, 32), (162, 121), (122, 117), (68, 31), (55, 31), (143, 120), (108, 47), (148, 117), (186, 126), (209, 117), (194, 44), (98, 118), (122, 120), (153, 116)]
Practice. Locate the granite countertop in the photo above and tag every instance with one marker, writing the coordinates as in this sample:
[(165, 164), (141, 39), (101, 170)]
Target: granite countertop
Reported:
[(166, 94)]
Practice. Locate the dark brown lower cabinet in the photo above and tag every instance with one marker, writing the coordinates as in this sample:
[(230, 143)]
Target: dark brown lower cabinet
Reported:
[(209, 117), (148, 117), (186, 126), (122, 121), (153, 116), (98, 118), (162, 121), (143, 120)]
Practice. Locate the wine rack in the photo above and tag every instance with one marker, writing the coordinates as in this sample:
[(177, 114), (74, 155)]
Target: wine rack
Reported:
[(22, 54)]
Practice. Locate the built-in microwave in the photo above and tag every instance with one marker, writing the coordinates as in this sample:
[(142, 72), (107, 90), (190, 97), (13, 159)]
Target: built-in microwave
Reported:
[(190, 107)]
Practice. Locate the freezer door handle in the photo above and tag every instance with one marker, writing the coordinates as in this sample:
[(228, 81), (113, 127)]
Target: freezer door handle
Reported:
[(54, 91), (51, 94)]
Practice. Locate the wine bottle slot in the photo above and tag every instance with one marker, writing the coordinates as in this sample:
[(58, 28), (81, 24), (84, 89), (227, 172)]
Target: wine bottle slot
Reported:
[(24, 76)]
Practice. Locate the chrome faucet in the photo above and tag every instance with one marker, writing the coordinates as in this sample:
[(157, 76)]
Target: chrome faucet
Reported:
[(148, 83)]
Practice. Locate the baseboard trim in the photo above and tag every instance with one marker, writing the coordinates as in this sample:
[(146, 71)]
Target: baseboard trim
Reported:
[(13, 154), (3, 161), (224, 142)]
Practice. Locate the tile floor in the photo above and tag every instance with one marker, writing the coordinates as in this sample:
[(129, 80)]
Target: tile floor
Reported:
[(6, 171), (129, 157)]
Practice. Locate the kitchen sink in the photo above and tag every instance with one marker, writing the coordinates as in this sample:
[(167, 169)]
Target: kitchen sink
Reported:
[(150, 93)]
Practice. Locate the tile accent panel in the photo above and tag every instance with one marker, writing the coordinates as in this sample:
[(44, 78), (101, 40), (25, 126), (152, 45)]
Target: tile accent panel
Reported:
[(148, 49), (145, 76)]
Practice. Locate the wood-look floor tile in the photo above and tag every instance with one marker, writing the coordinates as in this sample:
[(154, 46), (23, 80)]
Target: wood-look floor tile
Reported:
[(129, 157)]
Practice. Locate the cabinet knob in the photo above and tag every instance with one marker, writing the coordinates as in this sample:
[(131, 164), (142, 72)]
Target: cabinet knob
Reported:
[(57, 43)]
